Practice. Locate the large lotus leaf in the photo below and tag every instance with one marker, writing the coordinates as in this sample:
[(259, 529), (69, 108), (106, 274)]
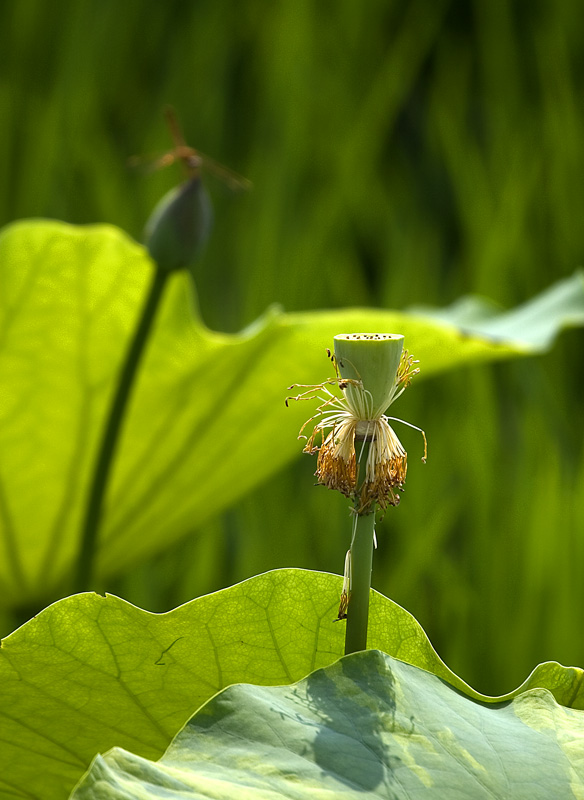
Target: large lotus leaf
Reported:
[(368, 726), (92, 672), (534, 322), (206, 421)]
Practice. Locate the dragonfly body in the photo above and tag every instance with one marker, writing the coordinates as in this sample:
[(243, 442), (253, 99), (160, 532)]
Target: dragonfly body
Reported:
[(193, 161)]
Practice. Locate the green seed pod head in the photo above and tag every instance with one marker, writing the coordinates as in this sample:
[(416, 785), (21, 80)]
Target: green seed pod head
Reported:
[(180, 225), (372, 358)]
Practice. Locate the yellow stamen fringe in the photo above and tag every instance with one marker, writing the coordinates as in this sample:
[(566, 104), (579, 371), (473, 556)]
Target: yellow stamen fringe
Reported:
[(337, 460)]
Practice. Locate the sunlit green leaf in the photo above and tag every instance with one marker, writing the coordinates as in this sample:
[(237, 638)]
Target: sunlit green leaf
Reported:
[(206, 422), (368, 726), (90, 673)]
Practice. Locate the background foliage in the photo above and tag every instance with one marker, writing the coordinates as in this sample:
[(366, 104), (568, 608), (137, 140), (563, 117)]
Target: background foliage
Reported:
[(401, 153)]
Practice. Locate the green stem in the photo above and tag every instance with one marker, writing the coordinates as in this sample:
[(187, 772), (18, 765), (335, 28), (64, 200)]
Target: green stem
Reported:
[(106, 452), (361, 565)]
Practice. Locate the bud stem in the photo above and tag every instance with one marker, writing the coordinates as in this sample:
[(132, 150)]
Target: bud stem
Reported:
[(111, 432)]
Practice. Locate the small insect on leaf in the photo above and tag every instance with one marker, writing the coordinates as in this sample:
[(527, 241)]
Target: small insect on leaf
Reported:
[(343, 607), (346, 593), (193, 161)]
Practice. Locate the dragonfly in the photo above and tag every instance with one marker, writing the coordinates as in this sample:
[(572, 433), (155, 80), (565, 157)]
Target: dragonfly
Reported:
[(192, 161)]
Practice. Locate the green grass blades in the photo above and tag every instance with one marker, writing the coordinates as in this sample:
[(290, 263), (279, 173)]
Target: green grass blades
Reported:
[(92, 672), (368, 726), (206, 422)]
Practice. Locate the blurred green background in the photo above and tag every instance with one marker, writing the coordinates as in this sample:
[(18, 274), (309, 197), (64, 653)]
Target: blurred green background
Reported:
[(401, 153)]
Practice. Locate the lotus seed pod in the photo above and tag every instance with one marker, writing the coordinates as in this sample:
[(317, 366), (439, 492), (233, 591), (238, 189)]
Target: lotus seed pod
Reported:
[(373, 359)]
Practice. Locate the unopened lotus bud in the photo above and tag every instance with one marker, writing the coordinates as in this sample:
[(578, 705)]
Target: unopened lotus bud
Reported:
[(180, 225)]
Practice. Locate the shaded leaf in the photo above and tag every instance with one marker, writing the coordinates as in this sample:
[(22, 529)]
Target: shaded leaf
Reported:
[(92, 672), (368, 726)]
